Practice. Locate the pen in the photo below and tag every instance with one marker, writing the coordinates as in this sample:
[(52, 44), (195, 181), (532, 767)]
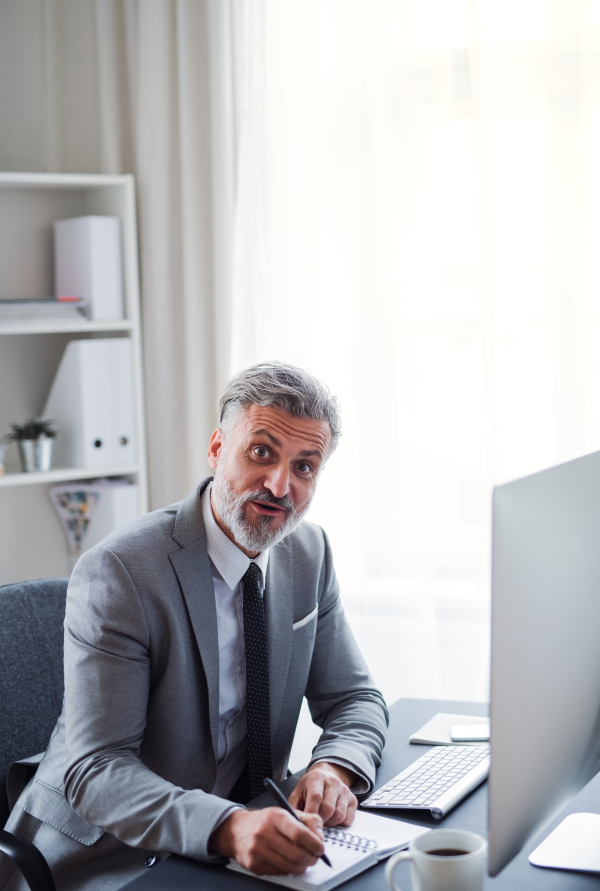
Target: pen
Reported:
[(282, 801)]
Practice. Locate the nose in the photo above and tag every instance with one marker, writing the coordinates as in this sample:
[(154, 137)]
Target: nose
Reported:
[(277, 480)]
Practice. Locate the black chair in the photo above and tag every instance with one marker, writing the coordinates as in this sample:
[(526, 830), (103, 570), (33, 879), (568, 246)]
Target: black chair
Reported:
[(31, 695)]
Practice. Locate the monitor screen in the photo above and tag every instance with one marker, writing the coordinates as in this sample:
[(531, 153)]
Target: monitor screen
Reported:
[(545, 682)]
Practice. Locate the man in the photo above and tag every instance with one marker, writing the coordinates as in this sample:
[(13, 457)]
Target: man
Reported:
[(191, 638)]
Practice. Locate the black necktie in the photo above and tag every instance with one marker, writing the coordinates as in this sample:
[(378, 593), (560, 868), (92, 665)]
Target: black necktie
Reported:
[(260, 763)]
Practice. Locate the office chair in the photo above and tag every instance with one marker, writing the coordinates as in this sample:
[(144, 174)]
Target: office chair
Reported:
[(31, 695)]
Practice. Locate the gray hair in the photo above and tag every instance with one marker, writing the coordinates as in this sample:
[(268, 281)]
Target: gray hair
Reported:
[(283, 386)]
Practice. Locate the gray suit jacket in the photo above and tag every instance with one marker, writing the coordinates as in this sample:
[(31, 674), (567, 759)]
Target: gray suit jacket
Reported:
[(131, 762)]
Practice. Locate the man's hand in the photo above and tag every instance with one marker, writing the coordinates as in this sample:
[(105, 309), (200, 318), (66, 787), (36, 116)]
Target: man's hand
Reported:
[(269, 841), (324, 790)]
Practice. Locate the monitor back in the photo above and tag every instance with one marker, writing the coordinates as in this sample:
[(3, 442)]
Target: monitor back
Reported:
[(545, 680)]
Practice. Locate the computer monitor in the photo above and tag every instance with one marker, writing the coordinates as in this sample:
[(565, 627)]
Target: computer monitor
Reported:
[(545, 683)]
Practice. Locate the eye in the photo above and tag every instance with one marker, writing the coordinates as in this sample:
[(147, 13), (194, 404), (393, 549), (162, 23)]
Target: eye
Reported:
[(261, 452), (304, 468)]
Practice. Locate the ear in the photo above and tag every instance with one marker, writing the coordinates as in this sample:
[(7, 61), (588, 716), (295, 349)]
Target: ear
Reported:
[(214, 448)]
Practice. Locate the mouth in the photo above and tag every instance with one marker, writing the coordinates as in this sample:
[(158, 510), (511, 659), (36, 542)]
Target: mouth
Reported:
[(267, 510)]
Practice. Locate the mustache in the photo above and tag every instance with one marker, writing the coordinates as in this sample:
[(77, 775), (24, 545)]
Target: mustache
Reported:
[(263, 495)]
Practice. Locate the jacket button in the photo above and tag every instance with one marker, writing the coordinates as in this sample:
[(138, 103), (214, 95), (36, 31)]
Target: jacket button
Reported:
[(151, 860)]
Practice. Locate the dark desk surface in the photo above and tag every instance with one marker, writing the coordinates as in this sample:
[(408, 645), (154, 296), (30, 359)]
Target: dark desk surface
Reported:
[(406, 716)]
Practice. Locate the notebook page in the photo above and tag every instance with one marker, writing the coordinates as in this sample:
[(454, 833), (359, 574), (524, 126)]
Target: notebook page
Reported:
[(342, 858), (389, 835)]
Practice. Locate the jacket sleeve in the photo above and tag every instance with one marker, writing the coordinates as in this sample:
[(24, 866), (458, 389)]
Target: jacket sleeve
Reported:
[(341, 695), (107, 685)]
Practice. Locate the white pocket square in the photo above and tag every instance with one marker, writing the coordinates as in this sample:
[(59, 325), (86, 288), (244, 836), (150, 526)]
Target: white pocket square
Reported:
[(305, 620)]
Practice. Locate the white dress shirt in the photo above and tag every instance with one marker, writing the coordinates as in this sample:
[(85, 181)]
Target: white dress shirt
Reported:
[(228, 565)]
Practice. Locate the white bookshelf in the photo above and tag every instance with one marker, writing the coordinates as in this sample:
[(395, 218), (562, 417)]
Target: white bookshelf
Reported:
[(32, 541)]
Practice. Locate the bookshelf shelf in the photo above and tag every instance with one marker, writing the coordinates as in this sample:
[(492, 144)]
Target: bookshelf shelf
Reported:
[(64, 474), (62, 326), (32, 540)]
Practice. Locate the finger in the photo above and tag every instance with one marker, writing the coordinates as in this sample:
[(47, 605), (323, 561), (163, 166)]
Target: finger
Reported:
[(332, 793), (281, 860), (313, 795), (313, 821), (296, 799), (273, 852), (289, 856), (345, 809), (350, 811), (301, 835)]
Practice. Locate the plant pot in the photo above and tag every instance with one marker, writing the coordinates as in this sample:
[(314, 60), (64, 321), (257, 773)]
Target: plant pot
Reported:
[(35, 454)]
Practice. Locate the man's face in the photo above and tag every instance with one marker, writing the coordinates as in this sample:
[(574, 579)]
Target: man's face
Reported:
[(266, 474)]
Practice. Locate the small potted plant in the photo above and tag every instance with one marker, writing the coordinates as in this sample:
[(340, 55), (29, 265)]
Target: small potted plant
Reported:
[(34, 439)]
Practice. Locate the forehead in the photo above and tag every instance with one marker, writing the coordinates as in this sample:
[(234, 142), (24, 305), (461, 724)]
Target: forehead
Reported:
[(289, 431)]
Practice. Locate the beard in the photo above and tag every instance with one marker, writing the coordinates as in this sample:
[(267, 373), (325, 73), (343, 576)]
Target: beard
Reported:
[(256, 536)]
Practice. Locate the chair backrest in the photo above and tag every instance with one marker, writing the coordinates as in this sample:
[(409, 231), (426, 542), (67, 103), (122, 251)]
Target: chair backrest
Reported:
[(31, 670)]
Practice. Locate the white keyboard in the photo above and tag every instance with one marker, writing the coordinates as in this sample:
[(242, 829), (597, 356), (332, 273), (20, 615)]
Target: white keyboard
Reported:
[(437, 781)]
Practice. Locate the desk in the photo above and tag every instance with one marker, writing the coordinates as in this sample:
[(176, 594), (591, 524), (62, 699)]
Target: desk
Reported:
[(406, 716)]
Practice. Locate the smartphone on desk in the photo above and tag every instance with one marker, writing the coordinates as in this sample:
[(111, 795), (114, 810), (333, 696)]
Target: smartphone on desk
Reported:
[(470, 733)]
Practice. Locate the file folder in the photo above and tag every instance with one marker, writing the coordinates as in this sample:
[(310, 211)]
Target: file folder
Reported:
[(88, 264), (91, 401)]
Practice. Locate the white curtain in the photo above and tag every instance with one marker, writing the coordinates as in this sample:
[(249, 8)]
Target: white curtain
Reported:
[(417, 222), (124, 86), (401, 195)]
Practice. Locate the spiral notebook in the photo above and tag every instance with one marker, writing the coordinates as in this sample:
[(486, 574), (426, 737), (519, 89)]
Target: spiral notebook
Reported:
[(350, 850)]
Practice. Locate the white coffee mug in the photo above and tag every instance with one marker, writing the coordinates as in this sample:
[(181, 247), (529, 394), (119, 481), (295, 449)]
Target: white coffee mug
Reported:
[(443, 860)]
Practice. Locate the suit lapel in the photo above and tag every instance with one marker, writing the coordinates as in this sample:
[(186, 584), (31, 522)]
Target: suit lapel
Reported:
[(279, 611), (192, 566)]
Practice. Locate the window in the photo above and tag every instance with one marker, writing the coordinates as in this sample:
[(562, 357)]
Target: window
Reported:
[(417, 223)]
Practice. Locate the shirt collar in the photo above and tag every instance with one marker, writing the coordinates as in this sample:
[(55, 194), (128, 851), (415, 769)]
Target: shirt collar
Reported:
[(229, 561)]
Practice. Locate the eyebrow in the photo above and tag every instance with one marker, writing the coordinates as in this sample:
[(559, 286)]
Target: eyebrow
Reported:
[(305, 453), (310, 453)]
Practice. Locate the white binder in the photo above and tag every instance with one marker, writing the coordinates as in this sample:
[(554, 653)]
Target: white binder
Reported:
[(91, 400), (88, 264)]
